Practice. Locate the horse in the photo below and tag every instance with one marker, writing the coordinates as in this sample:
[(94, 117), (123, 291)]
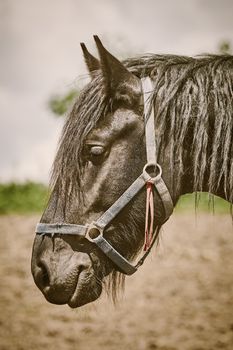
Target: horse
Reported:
[(141, 133)]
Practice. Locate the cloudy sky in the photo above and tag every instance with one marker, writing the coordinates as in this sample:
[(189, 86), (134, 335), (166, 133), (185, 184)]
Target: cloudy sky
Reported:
[(40, 56)]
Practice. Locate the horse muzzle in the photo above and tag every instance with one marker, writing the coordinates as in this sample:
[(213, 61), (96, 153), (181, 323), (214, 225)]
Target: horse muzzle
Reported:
[(64, 276)]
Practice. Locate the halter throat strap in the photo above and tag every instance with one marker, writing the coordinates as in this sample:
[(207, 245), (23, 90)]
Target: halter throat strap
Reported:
[(94, 231)]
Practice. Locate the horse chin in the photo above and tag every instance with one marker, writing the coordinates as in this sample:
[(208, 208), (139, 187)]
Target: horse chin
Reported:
[(87, 290)]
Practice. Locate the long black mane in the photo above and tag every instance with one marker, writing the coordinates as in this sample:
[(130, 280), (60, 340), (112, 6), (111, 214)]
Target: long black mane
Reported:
[(192, 96)]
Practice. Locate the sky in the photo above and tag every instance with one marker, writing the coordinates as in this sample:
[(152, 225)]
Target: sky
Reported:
[(40, 56)]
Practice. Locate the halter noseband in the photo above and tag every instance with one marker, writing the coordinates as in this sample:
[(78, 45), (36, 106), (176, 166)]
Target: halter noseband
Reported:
[(95, 230)]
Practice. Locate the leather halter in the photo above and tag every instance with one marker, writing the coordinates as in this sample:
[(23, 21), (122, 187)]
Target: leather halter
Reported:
[(94, 231)]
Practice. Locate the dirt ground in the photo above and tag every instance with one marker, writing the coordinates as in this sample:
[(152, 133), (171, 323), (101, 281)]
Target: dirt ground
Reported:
[(182, 298)]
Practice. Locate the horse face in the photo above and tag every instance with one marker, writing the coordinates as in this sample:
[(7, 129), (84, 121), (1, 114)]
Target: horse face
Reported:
[(113, 156), (70, 269)]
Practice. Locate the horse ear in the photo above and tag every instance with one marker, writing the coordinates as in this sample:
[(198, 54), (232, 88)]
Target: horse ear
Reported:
[(91, 62), (119, 82)]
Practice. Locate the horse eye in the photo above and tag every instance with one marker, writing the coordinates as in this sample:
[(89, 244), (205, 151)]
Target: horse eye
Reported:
[(96, 150), (94, 153)]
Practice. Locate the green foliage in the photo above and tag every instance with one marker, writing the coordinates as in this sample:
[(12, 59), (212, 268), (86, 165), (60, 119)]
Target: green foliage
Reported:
[(202, 202), (60, 104), (32, 197), (225, 47), (22, 198)]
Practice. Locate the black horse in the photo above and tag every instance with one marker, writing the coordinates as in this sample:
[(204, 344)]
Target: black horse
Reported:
[(103, 150)]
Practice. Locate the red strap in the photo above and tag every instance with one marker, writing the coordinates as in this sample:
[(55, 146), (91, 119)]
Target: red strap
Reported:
[(149, 220)]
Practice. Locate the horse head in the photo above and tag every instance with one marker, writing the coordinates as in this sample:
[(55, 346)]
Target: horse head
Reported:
[(106, 168)]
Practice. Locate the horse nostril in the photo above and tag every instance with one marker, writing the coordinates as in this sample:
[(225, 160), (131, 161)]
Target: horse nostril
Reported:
[(43, 278)]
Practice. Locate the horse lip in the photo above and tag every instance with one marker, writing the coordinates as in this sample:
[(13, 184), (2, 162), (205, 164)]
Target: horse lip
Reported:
[(73, 301), (79, 298)]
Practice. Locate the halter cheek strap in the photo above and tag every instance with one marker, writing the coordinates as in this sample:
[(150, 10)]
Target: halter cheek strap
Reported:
[(95, 230)]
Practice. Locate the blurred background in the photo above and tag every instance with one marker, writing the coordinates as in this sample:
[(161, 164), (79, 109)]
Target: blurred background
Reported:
[(41, 72)]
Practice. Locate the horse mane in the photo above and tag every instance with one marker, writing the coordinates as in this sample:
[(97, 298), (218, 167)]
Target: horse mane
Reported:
[(193, 101), (82, 118)]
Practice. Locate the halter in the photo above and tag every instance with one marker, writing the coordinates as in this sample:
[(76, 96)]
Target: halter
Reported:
[(95, 230)]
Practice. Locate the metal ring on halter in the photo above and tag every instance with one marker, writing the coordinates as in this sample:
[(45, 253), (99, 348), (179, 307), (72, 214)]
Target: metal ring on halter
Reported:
[(93, 232), (147, 175)]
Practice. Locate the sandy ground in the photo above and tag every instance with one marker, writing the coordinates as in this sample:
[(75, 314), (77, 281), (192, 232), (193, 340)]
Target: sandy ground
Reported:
[(182, 298)]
